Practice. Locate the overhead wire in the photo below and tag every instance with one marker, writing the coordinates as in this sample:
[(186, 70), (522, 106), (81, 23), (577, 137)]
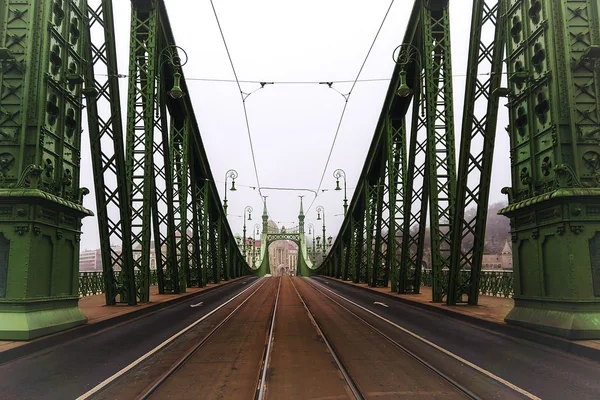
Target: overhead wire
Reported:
[(123, 76), (347, 98), (241, 95)]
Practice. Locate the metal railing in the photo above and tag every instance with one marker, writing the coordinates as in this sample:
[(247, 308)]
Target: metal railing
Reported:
[(92, 283), (492, 282)]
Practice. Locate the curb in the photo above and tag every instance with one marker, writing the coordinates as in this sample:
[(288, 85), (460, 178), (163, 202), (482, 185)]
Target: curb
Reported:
[(505, 329), (88, 329)]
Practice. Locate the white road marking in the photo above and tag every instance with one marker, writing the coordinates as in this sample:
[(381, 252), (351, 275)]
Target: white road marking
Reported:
[(197, 305), (380, 304), (110, 379), (439, 348)]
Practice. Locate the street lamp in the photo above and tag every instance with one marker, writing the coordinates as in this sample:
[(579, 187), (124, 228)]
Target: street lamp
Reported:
[(407, 53), (257, 234), (320, 210), (311, 231), (232, 173), (248, 210), (171, 55), (337, 174)]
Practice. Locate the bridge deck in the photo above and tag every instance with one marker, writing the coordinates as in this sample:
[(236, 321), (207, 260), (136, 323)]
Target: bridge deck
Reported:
[(96, 311), (490, 310), (364, 329)]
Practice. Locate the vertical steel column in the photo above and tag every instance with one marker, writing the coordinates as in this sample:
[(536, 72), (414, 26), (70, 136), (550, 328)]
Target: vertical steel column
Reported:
[(215, 247), (440, 137), (349, 243), (206, 242), (140, 135), (197, 230), (417, 196), (378, 257), (360, 242), (478, 135), (223, 255), (369, 218), (163, 194), (108, 157), (179, 169), (396, 132)]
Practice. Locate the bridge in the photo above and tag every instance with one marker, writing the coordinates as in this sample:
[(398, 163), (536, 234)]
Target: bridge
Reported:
[(398, 298)]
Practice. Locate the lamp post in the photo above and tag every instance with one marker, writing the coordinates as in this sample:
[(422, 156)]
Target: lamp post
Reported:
[(311, 231), (320, 210), (232, 173), (171, 55), (253, 251), (407, 53), (318, 245), (257, 235), (248, 210), (337, 174)]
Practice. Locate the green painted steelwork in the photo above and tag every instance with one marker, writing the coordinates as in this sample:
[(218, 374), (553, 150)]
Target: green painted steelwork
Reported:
[(478, 136), (155, 184), (42, 62), (554, 104), (108, 158)]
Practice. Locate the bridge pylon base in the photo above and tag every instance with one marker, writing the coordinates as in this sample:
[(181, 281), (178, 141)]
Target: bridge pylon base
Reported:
[(26, 321), (565, 319), (556, 262)]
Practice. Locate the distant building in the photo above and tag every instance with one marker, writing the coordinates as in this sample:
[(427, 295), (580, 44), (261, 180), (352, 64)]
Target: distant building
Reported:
[(499, 261), (90, 261)]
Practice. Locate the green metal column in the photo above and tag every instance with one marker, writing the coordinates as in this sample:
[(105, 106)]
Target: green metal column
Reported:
[(360, 245), (41, 67), (215, 248), (396, 141), (348, 249), (206, 243), (223, 252), (140, 136), (417, 197), (108, 157), (179, 170), (378, 257), (478, 135), (197, 232), (369, 222), (439, 122), (554, 203)]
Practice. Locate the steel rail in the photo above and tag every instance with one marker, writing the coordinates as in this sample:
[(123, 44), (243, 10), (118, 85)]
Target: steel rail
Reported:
[(262, 383), (175, 367), (349, 381), (422, 361)]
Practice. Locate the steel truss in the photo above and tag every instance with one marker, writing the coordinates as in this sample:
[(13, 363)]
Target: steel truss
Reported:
[(155, 186)]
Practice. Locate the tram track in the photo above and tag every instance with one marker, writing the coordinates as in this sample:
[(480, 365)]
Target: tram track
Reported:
[(353, 388), (152, 390), (462, 389), (262, 384)]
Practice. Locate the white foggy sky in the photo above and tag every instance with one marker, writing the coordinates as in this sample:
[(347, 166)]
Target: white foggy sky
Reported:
[(292, 126)]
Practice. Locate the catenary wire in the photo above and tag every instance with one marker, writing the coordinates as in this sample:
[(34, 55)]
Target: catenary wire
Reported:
[(337, 131), (241, 95)]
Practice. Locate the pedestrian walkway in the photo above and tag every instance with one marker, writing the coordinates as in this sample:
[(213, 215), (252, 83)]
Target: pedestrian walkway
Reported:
[(489, 309), (96, 311)]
